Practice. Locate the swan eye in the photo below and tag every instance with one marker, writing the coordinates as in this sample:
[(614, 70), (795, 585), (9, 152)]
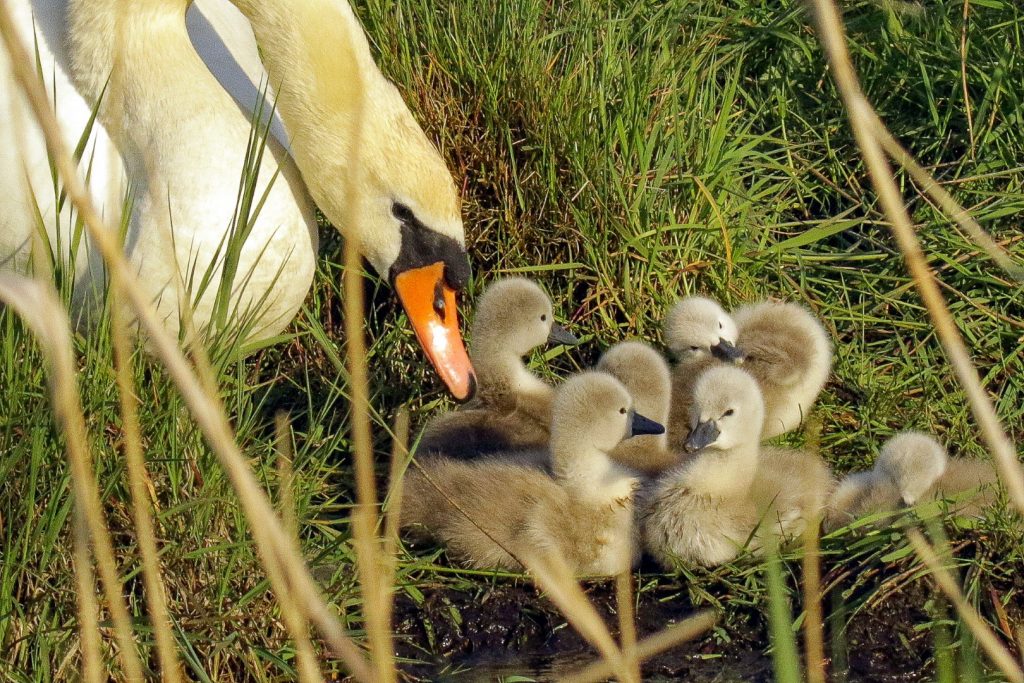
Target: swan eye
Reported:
[(402, 212), (622, 411), (719, 324), (728, 412)]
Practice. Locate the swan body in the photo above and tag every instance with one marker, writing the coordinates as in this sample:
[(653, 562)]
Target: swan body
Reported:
[(504, 511), (511, 409), (25, 171), (170, 132)]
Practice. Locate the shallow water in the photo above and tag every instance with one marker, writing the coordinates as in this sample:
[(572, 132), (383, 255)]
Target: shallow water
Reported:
[(546, 667)]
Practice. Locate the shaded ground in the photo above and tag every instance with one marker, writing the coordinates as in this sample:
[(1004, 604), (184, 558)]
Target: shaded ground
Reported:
[(881, 628)]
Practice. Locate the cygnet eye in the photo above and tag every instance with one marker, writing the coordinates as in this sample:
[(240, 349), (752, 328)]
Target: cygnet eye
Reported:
[(622, 411), (728, 412), (695, 348), (719, 324), (544, 317)]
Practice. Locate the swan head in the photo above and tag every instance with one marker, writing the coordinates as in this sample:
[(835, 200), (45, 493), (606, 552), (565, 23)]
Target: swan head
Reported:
[(644, 373), (409, 226), (727, 410), (697, 326), (369, 166), (913, 461), (514, 316), (593, 412)]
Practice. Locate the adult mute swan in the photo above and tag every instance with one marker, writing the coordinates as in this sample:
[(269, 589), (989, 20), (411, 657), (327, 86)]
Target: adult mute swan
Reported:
[(165, 115)]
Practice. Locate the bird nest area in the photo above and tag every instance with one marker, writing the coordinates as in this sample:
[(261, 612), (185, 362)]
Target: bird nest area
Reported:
[(622, 155)]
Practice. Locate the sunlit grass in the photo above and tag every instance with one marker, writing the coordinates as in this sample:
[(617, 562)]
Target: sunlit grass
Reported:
[(622, 156)]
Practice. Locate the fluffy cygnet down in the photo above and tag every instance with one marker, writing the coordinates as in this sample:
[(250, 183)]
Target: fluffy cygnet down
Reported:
[(913, 467), (645, 374), (512, 407), (781, 344), (490, 512), (732, 491)]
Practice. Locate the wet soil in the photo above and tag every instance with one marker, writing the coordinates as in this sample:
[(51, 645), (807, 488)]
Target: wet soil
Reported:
[(878, 624)]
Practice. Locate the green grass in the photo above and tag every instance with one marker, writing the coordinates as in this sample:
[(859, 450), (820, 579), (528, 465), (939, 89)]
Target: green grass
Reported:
[(623, 154)]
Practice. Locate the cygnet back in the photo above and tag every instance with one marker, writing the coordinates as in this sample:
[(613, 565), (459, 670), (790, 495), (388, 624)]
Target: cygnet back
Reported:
[(790, 354), (913, 461), (645, 374)]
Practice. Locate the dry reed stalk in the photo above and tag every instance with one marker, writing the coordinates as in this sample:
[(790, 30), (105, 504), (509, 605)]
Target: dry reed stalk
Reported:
[(627, 621), (294, 620), (551, 573), (365, 519), (655, 644), (270, 538), (945, 200), (399, 457), (88, 608), (861, 114), (39, 306), (814, 625), (988, 640), (166, 648), (389, 543)]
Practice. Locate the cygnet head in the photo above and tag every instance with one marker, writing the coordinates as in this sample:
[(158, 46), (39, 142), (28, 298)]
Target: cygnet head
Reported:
[(914, 461), (593, 411), (697, 326), (644, 373), (727, 410), (514, 316)]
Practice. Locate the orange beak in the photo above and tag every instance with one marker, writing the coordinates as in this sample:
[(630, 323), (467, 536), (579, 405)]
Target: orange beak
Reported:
[(430, 304)]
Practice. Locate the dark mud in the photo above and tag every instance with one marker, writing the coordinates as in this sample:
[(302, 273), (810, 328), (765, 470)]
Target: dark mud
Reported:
[(509, 628), (879, 624)]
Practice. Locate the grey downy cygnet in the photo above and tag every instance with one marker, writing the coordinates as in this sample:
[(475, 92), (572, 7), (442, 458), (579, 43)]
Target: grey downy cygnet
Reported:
[(700, 335), (492, 511), (733, 490), (511, 408), (645, 374), (913, 467), (781, 344)]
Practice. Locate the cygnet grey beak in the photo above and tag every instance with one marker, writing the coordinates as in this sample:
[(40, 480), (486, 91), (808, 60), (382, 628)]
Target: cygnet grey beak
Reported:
[(560, 335), (644, 425), (727, 351), (701, 436)]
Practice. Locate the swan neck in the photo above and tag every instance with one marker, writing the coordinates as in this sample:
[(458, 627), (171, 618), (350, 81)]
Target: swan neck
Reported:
[(320, 65)]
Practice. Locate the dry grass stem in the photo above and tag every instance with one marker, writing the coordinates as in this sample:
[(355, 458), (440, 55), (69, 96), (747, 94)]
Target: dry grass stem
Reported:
[(554, 577), (653, 645), (945, 200), (832, 36), (365, 521), (963, 76), (814, 625), (38, 305), (399, 459), (206, 408), (166, 648), (294, 620), (88, 608), (988, 640), (627, 620)]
